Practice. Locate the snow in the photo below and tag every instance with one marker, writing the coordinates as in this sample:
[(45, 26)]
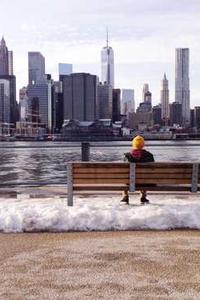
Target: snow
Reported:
[(99, 213)]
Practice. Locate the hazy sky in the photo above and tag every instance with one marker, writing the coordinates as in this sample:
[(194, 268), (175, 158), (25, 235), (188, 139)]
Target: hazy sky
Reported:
[(143, 34)]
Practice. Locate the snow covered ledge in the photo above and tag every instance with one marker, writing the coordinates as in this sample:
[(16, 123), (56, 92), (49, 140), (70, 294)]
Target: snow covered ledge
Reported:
[(101, 213)]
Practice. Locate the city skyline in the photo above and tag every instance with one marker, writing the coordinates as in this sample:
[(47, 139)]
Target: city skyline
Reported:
[(143, 36)]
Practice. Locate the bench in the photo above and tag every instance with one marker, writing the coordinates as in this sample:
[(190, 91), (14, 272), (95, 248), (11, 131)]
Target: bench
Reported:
[(117, 176)]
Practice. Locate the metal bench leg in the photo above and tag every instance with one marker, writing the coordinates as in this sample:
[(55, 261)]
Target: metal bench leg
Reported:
[(69, 185), (195, 172), (132, 177)]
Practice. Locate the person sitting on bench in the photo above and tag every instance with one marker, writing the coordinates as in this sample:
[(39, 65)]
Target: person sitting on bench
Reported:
[(138, 155)]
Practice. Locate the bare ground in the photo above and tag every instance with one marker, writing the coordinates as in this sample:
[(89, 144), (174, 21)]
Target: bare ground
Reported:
[(100, 265)]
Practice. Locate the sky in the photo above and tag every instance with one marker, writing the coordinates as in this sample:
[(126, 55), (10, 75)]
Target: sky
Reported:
[(143, 34)]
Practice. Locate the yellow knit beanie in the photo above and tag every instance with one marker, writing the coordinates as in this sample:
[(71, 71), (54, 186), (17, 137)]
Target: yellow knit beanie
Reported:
[(138, 142)]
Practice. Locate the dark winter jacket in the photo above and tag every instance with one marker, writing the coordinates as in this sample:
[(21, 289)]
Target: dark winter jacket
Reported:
[(139, 156)]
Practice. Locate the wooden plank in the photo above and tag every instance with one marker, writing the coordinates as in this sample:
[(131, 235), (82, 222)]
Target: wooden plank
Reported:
[(163, 181), (100, 165), (163, 171), (165, 165), (99, 188), (163, 176), (100, 176), (173, 188), (138, 188), (101, 181), (101, 171)]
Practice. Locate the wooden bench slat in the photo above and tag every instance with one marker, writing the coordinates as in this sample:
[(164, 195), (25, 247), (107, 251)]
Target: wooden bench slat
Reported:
[(101, 165), (101, 171), (164, 165), (138, 188), (163, 171), (163, 181), (163, 175), (101, 176), (101, 181), (99, 188)]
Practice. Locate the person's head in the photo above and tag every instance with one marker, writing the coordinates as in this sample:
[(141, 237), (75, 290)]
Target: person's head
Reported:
[(138, 142)]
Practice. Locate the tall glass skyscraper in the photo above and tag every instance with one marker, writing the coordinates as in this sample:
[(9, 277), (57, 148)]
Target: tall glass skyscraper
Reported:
[(182, 83), (36, 68), (107, 64), (127, 102), (164, 100), (80, 97), (3, 58), (8, 103)]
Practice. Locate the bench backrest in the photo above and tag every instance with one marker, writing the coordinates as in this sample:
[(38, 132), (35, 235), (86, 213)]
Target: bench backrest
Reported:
[(118, 175)]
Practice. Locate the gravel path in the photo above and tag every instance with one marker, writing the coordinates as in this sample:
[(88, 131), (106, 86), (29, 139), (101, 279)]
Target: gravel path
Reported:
[(100, 265)]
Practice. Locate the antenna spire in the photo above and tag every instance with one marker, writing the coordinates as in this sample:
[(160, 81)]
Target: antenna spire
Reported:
[(107, 36)]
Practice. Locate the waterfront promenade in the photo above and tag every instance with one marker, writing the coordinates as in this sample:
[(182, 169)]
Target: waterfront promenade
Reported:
[(100, 265)]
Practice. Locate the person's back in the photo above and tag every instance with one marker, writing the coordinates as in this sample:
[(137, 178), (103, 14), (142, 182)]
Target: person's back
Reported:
[(138, 155)]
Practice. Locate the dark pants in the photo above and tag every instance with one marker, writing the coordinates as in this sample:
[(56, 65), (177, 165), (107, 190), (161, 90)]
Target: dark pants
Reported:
[(143, 193)]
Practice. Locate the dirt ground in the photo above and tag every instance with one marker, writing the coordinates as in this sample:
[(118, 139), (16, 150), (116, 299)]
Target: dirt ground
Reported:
[(100, 265)]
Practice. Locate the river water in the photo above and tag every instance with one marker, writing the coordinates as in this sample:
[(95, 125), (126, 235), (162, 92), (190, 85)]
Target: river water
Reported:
[(46, 162)]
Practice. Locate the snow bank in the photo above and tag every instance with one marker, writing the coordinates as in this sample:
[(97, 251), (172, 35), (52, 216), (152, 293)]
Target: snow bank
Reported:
[(99, 213)]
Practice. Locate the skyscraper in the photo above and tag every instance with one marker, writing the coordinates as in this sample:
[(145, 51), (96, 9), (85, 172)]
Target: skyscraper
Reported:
[(10, 62), (36, 68), (104, 96), (116, 105), (164, 100), (182, 89), (107, 64), (3, 58), (175, 113), (127, 102), (39, 91), (8, 104), (144, 91), (80, 96)]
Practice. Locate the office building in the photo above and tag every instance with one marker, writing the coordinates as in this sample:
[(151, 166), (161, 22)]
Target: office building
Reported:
[(175, 113), (182, 88), (65, 69), (197, 117), (43, 93), (8, 104), (116, 116), (107, 64), (80, 97), (4, 69), (164, 100), (10, 62), (58, 109), (36, 68), (144, 91), (23, 104), (156, 111), (104, 96), (192, 124), (127, 102), (140, 120)]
